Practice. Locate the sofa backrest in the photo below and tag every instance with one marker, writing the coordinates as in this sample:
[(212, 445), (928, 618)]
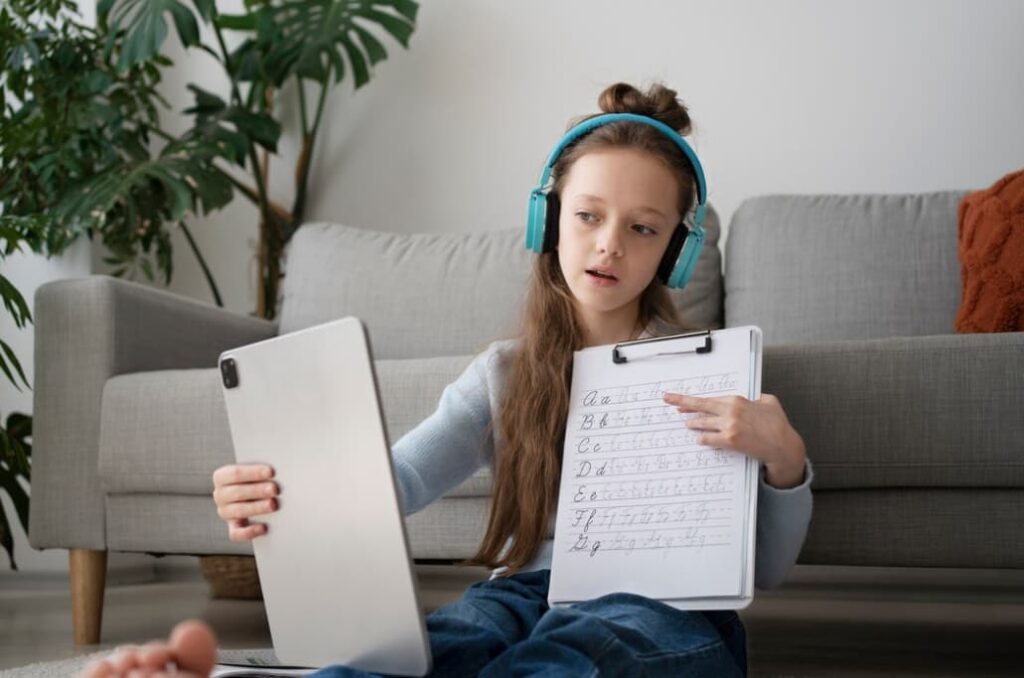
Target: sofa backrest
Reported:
[(809, 268), (424, 295)]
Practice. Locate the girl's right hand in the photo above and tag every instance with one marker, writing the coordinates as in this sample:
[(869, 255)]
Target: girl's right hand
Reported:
[(242, 491)]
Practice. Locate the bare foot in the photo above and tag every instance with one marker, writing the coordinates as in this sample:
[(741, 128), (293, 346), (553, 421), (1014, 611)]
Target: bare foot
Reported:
[(191, 651)]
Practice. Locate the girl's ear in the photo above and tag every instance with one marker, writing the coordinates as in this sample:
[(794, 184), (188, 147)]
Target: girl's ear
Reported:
[(554, 206)]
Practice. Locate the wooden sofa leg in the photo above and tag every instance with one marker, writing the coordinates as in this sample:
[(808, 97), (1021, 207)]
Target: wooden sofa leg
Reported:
[(88, 581)]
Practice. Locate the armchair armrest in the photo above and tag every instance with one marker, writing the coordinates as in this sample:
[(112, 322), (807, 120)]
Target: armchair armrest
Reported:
[(86, 331)]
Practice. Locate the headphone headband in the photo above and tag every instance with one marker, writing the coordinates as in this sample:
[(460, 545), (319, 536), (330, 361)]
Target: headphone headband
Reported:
[(597, 121)]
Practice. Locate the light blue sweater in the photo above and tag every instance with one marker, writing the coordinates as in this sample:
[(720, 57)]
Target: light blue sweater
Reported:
[(454, 441)]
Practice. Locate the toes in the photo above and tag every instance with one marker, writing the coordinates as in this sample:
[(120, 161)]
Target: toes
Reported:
[(125, 659), (98, 668), (194, 647), (155, 656)]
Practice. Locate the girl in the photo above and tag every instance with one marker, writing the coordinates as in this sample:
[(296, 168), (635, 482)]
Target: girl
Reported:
[(620, 193)]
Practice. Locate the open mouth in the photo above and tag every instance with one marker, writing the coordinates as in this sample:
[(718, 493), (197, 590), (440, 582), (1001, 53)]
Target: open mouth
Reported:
[(598, 274)]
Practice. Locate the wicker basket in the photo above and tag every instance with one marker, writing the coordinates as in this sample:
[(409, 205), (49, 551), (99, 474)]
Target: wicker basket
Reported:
[(231, 577)]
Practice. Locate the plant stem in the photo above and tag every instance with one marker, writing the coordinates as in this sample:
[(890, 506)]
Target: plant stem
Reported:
[(308, 144), (268, 266), (249, 192), (202, 264), (160, 133), (302, 107)]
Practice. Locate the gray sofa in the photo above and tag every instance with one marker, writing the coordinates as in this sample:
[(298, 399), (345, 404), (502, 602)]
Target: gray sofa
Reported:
[(915, 432)]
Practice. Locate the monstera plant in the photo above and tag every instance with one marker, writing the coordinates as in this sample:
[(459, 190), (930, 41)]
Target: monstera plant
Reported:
[(83, 149)]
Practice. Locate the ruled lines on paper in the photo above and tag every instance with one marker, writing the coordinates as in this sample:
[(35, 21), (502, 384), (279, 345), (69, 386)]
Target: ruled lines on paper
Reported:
[(639, 479)]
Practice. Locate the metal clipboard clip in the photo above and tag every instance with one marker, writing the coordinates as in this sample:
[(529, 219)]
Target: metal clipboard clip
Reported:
[(620, 359)]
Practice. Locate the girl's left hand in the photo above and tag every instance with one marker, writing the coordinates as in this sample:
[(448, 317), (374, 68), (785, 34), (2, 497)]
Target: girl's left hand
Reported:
[(757, 428)]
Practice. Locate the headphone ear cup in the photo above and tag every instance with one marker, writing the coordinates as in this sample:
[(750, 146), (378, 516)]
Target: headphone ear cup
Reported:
[(554, 206), (671, 256)]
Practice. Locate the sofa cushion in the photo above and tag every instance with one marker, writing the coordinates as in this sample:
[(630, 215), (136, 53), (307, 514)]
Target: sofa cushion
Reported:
[(166, 431), (872, 413), (991, 251), (809, 268), (937, 411), (423, 295)]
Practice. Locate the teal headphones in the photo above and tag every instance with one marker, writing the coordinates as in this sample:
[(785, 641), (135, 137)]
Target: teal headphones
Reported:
[(684, 247)]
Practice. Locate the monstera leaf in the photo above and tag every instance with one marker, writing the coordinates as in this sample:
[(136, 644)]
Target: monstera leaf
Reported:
[(231, 128), (146, 28), (308, 38), (312, 38), (138, 195)]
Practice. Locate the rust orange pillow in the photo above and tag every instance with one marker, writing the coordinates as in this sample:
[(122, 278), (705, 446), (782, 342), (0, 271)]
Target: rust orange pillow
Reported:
[(990, 232)]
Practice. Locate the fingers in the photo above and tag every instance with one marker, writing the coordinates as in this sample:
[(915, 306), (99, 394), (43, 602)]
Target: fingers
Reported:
[(242, 473), (242, 491), (687, 403), (246, 509), (242, 530), (229, 494), (703, 423)]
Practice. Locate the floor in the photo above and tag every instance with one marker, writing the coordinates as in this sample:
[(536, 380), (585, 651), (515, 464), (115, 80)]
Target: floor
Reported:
[(823, 622)]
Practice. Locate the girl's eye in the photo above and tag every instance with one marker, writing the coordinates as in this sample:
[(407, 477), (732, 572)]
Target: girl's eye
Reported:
[(650, 231), (585, 217)]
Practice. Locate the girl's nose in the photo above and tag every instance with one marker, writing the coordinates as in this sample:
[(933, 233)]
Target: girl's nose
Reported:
[(610, 240)]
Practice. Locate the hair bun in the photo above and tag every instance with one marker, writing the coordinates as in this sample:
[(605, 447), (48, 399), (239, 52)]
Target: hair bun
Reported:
[(658, 102)]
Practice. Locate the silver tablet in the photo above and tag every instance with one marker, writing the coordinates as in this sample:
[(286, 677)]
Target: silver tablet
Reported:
[(334, 566)]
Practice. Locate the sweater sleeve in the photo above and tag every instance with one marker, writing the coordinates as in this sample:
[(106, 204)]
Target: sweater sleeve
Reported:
[(450, 444), (782, 519)]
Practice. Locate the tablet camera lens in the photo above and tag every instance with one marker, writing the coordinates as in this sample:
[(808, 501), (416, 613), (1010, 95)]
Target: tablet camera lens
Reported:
[(229, 373)]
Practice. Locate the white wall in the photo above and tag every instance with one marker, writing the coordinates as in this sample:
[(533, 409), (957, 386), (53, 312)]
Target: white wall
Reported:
[(787, 96)]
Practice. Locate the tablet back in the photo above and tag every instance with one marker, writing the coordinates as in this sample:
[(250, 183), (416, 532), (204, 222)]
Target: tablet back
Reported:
[(334, 566)]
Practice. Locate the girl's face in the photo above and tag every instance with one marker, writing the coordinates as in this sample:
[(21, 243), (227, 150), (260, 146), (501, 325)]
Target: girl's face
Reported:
[(619, 207)]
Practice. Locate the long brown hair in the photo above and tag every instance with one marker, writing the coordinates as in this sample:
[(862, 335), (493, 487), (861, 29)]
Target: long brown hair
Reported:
[(536, 394)]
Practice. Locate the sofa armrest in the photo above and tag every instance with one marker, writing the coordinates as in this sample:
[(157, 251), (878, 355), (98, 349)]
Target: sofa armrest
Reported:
[(86, 331)]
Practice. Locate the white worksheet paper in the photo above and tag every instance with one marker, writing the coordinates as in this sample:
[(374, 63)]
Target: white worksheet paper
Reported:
[(643, 507)]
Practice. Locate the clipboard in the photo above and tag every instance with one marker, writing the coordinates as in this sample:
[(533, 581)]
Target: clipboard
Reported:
[(642, 507)]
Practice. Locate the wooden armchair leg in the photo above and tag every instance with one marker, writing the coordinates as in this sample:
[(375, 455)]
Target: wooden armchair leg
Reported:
[(88, 581)]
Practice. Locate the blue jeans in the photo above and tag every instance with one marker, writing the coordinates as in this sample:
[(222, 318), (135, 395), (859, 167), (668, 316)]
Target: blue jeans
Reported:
[(504, 627)]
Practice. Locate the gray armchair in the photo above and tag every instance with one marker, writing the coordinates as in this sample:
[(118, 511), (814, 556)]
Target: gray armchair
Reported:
[(92, 335)]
